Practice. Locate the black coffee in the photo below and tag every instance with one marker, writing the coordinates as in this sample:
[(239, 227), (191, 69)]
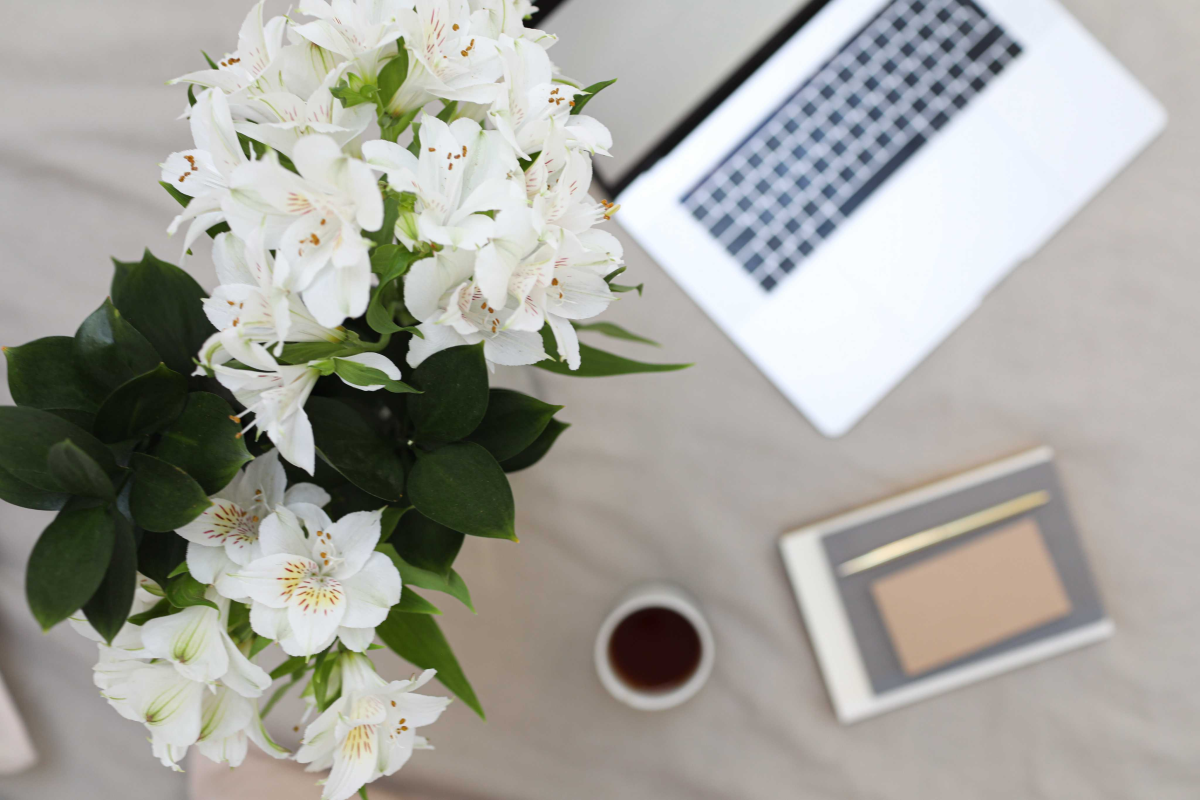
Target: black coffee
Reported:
[(654, 649)]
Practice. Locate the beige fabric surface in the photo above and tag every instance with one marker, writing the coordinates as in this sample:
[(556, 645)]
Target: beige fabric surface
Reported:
[(1091, 347)]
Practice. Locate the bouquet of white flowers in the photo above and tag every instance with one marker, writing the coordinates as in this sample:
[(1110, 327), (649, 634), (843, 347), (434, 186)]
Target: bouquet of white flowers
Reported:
[(386, 182)]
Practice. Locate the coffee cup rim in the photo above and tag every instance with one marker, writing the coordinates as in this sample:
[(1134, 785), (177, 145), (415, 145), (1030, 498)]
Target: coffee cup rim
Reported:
[(654, 595)]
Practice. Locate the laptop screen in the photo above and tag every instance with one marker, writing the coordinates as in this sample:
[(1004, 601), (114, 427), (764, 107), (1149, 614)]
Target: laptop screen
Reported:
[(668, 57)]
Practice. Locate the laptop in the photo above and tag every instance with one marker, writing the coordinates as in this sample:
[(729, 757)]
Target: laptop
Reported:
[(838, 184)]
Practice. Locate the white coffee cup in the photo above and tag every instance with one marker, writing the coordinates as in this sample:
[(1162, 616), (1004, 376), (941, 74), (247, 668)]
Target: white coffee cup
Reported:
[(645, 596)]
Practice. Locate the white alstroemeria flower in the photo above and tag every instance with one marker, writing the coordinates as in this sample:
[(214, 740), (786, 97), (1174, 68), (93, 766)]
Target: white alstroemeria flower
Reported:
[(225, 536), (129, 638), (276, 398), (577, 288), (462, 171), (449, 56), (325, 209), (255, 300), (370, 731), (533, 109), (228, 722), (280, 119), (565, 206), (330, 584), (155, 694), (276, 393), (357, 30), (196, 640), (258, 45), (507, 17), (204, 173), (514, 241), (453, 311)]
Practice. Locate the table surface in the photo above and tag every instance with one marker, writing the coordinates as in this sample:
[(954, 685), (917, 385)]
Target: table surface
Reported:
[(1090, 347)]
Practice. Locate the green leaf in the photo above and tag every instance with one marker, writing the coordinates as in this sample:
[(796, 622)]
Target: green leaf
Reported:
[(68, 563), (211, 64), (160, 609), (110, 350), (462, 487), (43, 374), (393, 74), (417, 639), (451, 584), (26, 436), (160, 555), (164, 497), (391, 517), (414, 146), (349, 445), (513, 422), (259, 644), (619, 288), (109, 606), (596, 363), (413, 603), (447, 112), (615, 331), (387, 230), (19, 493), (289, 667), (454, 383), (142, 405), (361, 375), (184, 591), (205, 442), (78, 473), (165, 304), (534, 453), (426, 544), (389, 262), (582, 98), (325, 691), (304, 352), (182, 569)]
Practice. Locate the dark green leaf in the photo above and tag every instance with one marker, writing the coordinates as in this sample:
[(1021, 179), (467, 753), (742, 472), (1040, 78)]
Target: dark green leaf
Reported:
[(184, 591), (142, 405), (426, 544), (455, 386), (78, 473), (205, 442), (615, 331), (361, 375), (513, 422), (160, 609), (159, 556), (413, 603), (451, 584), (110, 350), (584, 97), (414, 146), (393, 74), (462, 487), (389, 262), (164, 497), (391, 517), (417, 639), (259, 644), (182, 569), (324, 690), (596, 363), (110, 604), (211, 64), (448, 109), (165, 304), (19, 493), (349, 445), (26, 436), (68, 563), (43, 374), (534, 453)]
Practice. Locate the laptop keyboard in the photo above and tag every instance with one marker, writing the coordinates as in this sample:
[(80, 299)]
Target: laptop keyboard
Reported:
[(813, 162)]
